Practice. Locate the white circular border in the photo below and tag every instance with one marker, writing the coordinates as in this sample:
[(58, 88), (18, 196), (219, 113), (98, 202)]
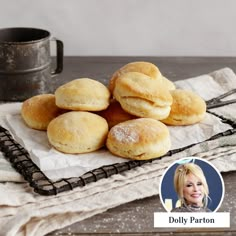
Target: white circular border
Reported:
[(196, 158)]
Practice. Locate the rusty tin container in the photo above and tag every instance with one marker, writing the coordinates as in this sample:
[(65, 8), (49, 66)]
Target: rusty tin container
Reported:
[(25, 63)]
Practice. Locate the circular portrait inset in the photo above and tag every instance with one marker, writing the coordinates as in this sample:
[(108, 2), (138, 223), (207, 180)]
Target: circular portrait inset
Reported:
[(191, 185)]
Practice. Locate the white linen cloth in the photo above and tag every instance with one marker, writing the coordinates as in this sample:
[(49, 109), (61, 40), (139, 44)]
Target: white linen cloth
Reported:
[(23, 212)]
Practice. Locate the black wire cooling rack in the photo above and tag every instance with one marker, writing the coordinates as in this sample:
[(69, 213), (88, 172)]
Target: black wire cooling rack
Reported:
[(21, 161)]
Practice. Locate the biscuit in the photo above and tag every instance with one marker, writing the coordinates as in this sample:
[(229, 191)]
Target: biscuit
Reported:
[(77, 132), (39, 110), (142, 96), (139, 139), (143, 67), (187, 108), (167, 83), (114, 114), (83, 95)]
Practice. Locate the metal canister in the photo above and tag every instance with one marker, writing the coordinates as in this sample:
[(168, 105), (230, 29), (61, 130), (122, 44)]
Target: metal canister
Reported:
[(25, 63)]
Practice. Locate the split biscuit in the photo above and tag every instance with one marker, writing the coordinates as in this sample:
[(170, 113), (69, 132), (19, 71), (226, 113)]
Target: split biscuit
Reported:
[(83, 94), (142, 96), (143, 67), (139, 139), (187, 108), (77, 132), (39, 110)]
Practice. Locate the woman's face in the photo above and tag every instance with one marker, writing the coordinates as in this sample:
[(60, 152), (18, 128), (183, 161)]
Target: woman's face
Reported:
[(193, 190)]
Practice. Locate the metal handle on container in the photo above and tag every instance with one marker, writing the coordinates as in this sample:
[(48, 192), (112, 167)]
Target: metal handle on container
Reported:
[(59, 61)]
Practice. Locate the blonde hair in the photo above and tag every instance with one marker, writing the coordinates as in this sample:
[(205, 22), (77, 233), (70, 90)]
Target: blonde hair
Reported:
[(180, 176)]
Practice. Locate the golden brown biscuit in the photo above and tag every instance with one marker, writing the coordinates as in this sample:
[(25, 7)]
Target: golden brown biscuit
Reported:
[(114, 114), (167, 83), (83, 94), (187, 108), (143, 67), (39, 110), (142, 96), (139, 139), (77, 132)]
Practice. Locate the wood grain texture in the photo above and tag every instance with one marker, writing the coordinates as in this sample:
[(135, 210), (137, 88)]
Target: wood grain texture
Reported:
[(136, 218)]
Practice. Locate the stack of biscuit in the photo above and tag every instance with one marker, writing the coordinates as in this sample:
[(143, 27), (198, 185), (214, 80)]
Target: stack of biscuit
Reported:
[(130, 116), (77, 130)]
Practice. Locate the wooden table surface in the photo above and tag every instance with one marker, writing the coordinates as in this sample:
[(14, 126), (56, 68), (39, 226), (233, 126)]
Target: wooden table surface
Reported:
[(137, 217)]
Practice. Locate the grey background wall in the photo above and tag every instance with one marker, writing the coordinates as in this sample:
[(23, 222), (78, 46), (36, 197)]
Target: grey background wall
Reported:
[(131, 27)]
